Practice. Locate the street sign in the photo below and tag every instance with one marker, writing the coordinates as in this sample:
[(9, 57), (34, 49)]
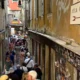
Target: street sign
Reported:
[(75, 14), (75, 1)]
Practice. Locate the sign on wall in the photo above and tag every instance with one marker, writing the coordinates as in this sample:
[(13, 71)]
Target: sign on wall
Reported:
[(75, 14), (75, 1)]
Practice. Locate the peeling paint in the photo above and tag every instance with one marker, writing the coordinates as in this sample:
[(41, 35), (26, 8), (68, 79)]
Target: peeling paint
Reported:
[(62, 6)]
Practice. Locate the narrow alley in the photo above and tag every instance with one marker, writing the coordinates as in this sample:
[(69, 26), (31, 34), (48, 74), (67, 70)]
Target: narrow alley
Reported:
[(39, 39)]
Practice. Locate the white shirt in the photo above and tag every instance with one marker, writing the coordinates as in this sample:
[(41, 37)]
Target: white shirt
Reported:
[(30, 64), (24, 69)]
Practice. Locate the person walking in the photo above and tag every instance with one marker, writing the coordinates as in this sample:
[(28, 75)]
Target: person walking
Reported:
[(12, 55), (12, 75), (19, 72), (8, 63), (38, 70), (32, 75), (22, 56), (29, 62)]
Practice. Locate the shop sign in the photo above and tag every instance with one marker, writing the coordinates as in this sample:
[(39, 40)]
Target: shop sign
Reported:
[(75, 1), (15, 22), (75, 14)]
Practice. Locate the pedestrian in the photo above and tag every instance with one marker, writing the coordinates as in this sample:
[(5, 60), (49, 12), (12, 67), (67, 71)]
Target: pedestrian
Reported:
[(29, 62), (12, 55), (8, 63), (24, 41), (19, 72), (38, 70), (22, 56), (12, 75)]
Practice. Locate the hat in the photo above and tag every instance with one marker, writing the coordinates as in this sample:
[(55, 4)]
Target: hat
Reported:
[(28, 54)]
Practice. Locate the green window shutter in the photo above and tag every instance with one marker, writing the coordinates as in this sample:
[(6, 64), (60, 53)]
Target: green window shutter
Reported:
[(15, 0)]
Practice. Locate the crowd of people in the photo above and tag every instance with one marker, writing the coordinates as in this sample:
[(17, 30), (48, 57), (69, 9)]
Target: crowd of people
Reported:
[(25, 69)]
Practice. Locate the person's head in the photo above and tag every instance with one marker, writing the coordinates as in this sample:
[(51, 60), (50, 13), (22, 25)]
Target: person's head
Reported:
[(28, 54), (36, 65), (32, 75), (18, 66), (7, 57)]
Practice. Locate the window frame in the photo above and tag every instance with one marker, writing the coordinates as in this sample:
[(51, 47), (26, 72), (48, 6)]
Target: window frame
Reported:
[(15, 1), (36, 9), (41, 8), (49, 6), (2, 4)]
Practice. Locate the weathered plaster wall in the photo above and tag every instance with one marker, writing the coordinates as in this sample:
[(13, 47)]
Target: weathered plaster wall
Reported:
[(2, 19), (57, 22)]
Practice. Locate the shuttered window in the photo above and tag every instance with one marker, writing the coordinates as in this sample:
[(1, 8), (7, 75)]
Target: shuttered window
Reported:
[(30, 9), (15, 0), (41, 7), (49, 6), (35, 8)]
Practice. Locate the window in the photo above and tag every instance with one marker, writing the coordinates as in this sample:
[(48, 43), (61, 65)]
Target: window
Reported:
[(2, 4), (41, 7), (35, 8), (49, 6), (30, 10), (15, 0)]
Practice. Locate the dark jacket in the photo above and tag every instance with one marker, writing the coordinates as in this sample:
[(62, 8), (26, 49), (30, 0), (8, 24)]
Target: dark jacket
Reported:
[(13, 76), (39, 73), (19, 72)]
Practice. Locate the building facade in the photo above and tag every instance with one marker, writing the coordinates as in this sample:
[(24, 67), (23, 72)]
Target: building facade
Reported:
[(53, 40), (2, 34), (13, 10)]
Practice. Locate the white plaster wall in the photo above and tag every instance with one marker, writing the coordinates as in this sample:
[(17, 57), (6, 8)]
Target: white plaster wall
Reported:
[(16, 13)]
